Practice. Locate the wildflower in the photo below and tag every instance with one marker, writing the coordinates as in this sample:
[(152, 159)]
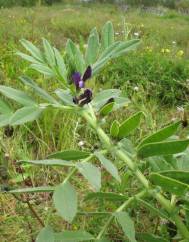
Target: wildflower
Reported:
[(84, 98), (162, 50), (174, 42), (117, 33), (167, 51), (136, 88), (180, 109), (79, 80), (81, 143), (180, 53), (136, 34)]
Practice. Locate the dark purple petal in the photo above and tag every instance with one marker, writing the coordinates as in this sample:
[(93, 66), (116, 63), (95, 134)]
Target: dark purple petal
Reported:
[(85, 98), (76, 77), (87, 74), (88, 93)]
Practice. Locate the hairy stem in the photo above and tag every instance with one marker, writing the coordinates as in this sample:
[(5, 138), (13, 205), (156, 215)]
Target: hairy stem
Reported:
[(137, 173)]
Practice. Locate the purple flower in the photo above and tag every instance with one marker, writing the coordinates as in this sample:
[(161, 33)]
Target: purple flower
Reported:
[(79, 80), (84, 98)]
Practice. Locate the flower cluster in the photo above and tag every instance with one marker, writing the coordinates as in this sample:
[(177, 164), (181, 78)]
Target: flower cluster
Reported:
[(79, 82)]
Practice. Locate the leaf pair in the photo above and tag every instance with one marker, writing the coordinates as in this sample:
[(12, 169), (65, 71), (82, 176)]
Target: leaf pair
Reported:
[(124, 129), (176, 182), (154, 145), (29, 112), (50, 63), (48, 235), (109, 100)]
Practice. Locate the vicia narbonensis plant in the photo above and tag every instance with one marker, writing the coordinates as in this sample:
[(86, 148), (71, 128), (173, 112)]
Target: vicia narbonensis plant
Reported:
[(162, 186)]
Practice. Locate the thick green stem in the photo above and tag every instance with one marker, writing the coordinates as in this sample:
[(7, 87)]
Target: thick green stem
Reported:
[(123, 156)]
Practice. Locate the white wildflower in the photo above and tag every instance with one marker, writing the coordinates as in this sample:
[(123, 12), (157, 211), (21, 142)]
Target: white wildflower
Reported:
[(136, 88), (136, 34), (81, 143)]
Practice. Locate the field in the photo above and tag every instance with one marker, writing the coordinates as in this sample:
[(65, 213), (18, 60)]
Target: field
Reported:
[(155, 77)]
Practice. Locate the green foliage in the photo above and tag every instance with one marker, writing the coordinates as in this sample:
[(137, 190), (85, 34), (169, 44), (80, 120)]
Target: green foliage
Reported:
[(11, 3), (127, 225), (162, 77), (129, 164), (183, 5), (65, 201)]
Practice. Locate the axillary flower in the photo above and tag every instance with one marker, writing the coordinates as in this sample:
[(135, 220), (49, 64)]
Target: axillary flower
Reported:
[(79, 82)]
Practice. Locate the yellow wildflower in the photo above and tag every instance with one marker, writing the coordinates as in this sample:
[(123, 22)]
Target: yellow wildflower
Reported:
[(180, 53), (167, 51)]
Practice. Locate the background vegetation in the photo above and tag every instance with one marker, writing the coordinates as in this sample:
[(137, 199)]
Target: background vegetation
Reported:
[(155, 77)]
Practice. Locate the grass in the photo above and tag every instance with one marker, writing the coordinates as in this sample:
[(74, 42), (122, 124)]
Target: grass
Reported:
[(157, 69)]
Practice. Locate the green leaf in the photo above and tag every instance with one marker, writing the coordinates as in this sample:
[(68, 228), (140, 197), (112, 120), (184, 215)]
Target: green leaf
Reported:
[(107, 35), (107, 53), (73, 236), (4, 107), (182, 176), (106, 195), (54, 162), (154, 210), (93, 48), (120, 102), (60, 64), (114, 129), (182, 161), (126, 224), (46, 235), (127, 146), (32, 190), (43, 69), (161, 134), (169, 184), (65, 201), (91, 173), (129, 125), (102, 240), (125, 47), (34, 51), (27, 57), (5, 119), (146, 237), (162, 148), (65, 96), (49, 53), (107, 108), (70, 155), (17, 95), (158, 163), (75, 56), (109, 166), (25, 114), (99, 65), (102, 97), (41, 92)]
